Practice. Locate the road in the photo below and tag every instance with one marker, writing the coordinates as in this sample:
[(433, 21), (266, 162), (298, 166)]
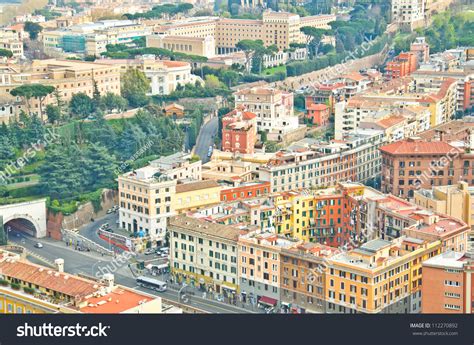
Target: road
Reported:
[(93, 264), (206, 138), (90, 230)]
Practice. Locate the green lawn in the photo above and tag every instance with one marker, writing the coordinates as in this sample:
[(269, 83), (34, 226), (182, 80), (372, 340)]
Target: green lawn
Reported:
[(273, 70)]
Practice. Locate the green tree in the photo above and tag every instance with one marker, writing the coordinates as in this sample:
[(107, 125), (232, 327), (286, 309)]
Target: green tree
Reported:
[(6, 53), (212, 82), (112, 101), (29, 91), (135, 86), (81, 105), (249, 47), (313, 39), (53, 112), (33, 29)]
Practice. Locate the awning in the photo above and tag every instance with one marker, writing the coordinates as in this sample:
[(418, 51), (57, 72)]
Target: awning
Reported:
[(228, 287), (268, 301)]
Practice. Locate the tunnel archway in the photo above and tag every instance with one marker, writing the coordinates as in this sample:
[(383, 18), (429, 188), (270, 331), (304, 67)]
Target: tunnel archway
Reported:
[(22, 224)]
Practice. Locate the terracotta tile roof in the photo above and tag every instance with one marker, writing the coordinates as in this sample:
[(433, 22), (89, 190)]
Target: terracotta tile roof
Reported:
[(192, 186), (48, 278), (419, 147), (390, 121), (174, 105), (172, 64), (317, 106)]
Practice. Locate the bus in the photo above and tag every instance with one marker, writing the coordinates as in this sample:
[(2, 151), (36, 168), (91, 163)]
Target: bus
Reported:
[(151, 283)]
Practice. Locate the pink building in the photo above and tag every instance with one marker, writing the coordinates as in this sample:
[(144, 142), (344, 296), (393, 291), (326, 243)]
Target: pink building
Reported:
[(239, 131)]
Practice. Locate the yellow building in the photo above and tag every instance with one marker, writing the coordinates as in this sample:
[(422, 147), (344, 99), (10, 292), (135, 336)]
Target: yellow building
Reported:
[(275, 28), (378, 277), (201, 46), (194, 195), (454, 201), (67, 76)]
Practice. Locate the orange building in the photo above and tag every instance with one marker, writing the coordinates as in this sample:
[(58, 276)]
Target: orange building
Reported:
[(318, 114), (447, 284), (402, 65), (245, 191), (239, 131)]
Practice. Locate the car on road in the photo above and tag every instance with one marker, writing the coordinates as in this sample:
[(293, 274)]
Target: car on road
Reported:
[(110, 210), (149, 252), (38, 245), (115, 208)]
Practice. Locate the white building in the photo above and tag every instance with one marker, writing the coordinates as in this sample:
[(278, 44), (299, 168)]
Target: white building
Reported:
[(146, 194), (164, 75), (274, 110), (409, 14)]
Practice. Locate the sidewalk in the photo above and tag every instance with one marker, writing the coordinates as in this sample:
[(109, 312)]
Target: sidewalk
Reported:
[(195, 292)]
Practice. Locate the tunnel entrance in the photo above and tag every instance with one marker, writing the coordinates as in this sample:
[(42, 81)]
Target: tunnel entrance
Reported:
[(22, 225)]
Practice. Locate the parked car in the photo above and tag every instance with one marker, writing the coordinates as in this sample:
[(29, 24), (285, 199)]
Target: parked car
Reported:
[(109, 211), (115, 208), (149, 252), (38, 245)]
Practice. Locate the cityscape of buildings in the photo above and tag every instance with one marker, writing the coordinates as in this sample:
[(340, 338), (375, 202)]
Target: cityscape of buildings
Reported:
[(303, 194)]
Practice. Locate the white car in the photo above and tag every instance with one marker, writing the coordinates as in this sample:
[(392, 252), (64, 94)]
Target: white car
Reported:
[(38, 245)]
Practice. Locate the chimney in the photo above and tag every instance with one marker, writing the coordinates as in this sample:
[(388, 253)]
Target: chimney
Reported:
[(59, 263), (108, 279)]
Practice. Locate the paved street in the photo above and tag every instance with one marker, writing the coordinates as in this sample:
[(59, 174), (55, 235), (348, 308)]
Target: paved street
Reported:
[(90, 230), (91, 263), (206, 139)]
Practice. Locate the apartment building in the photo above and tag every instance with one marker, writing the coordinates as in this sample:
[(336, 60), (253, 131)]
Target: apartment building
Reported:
[(12, 40), (408, 14), (398, 123), (147, 195), (205, 255), (28, 288), (303, 272), (259, 267), (464, 84), (194, 195), (415, 163), (67, 76), (239, 132), (313, 163), (402, 65), (317, 114), (451, 232), (421, 48), (273, 108), (438, 95), (447, 284), (378, 277), (164, 75), (242, 191)]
